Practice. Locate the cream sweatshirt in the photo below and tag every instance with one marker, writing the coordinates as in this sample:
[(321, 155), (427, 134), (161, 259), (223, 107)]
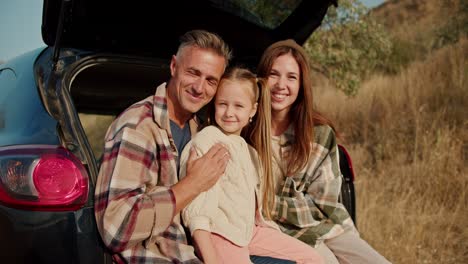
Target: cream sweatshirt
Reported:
[(229, 207)]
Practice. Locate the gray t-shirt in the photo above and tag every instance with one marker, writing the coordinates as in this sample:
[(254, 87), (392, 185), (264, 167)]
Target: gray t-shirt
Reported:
[(181, 137)]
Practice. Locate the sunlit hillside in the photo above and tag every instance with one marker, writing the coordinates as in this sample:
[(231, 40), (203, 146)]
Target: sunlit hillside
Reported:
[(420, 26), (408, 137)]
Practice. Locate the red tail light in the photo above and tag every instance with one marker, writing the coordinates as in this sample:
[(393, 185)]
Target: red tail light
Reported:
[(42, 178)]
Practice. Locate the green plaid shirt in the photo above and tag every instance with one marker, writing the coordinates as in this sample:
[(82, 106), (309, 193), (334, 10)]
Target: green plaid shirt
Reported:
[(306, 204)]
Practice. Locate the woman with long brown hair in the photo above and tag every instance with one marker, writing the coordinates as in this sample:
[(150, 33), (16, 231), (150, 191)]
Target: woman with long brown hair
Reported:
[(307, 177)]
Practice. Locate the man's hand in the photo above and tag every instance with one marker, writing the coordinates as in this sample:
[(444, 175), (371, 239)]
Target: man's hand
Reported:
[(202, 174), (208, 168)]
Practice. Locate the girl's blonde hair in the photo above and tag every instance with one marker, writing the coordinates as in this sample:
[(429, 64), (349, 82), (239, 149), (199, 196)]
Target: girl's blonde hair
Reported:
[(258, 132)]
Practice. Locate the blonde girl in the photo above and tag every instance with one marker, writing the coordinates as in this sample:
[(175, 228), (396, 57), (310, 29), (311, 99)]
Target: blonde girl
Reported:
[(225, 221)]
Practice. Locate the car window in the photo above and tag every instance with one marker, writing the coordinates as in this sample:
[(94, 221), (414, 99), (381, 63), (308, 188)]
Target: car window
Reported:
[(260, 12)]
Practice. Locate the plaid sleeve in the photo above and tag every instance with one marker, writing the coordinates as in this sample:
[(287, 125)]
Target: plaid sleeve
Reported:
[(127, 210), (311, 197)]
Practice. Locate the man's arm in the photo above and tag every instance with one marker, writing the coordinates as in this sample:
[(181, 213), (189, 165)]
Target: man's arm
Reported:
[(127, 210)]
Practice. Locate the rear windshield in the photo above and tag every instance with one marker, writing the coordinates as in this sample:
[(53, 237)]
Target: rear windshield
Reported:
[(265, 13)]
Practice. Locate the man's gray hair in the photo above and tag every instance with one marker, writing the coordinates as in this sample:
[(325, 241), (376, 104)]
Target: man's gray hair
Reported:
[(205, 40)]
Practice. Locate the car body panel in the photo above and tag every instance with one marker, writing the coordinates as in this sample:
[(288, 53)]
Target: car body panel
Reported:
[(23, 119), (348, 194), (49, 237), (35, 114)]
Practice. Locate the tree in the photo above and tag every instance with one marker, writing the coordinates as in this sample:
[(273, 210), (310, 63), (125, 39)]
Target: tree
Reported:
[(348, 45)]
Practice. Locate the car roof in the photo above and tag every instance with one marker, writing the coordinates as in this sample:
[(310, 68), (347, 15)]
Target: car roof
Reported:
[(152, 28)]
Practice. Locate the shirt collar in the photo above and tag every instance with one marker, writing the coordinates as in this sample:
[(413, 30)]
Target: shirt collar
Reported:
[(161, 115)]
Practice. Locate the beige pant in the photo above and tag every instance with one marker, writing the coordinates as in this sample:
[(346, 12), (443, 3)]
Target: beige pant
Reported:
[(349, 248)]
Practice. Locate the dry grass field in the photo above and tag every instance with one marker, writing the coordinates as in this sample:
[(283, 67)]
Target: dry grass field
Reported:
[(408, 137)]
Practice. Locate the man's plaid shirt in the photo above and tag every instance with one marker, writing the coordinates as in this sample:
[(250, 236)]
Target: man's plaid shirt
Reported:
[(134, 203), (306, 204)]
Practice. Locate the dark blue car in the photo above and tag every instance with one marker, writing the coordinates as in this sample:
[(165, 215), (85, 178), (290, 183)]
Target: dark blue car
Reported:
[(57, 101)]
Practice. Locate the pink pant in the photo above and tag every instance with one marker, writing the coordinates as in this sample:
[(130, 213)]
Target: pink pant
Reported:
[(266, 242)]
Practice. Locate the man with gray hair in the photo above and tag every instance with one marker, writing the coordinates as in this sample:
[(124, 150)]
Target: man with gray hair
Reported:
[(138, 195)]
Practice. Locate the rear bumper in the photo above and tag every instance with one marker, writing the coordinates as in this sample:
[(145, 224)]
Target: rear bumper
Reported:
[(50, 237)]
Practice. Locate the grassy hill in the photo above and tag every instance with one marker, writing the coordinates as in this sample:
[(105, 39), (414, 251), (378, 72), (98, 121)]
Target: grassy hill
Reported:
[(397, 13), (421, 26), (408, 136)]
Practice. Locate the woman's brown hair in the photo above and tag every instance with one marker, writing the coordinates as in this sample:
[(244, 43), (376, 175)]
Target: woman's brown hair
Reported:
[(302, 109)]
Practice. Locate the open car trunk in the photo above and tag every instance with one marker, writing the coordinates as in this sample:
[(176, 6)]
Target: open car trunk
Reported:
[(102, 86), (124, 48), (152, 28), (109, 85)]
